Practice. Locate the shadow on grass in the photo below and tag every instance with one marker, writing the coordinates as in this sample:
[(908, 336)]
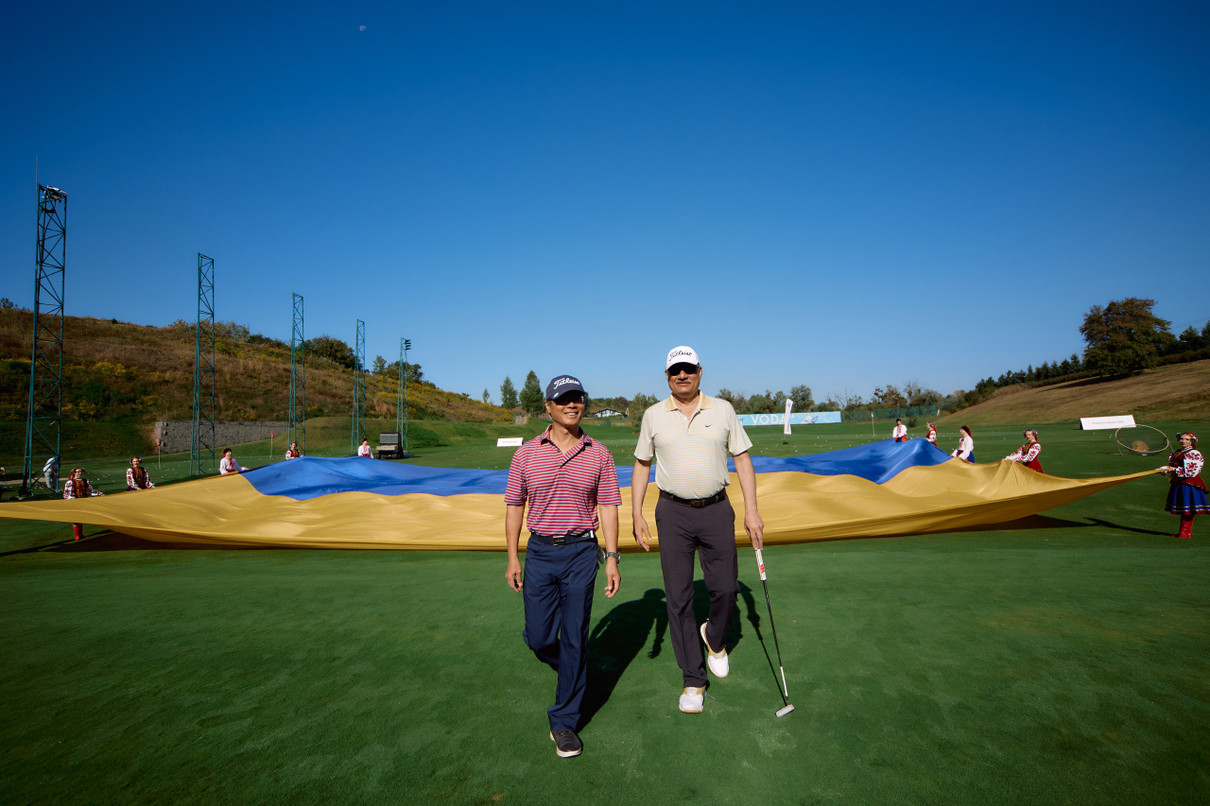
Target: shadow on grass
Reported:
[(616, 641)]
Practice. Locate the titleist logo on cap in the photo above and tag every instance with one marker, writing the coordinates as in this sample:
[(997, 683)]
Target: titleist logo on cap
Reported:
[(679, 353), (555, 384)]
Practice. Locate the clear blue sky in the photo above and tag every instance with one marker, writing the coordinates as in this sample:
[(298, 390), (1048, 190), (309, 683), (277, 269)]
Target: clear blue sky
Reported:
[(838, 194)]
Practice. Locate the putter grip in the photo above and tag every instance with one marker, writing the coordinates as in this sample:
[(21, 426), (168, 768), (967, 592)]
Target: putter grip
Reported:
[(760, 563)]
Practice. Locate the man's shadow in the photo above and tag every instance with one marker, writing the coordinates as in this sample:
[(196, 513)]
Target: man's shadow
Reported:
[(624, 631), (617, 640)]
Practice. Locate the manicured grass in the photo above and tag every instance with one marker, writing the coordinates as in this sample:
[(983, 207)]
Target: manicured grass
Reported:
[(1059, 662)]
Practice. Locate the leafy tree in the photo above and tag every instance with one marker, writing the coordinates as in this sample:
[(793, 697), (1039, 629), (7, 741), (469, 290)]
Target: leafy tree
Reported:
[(412, 372), (379, 366), (889, 398), (332, 349), (758, 404), (1124, 337), (736, 399), (640, 403), (508, 394), (1190, 339), (801, 395), (487, 396), (533, 400)]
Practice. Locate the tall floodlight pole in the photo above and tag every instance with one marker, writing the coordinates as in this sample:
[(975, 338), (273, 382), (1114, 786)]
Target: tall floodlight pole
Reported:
[(404, 346), (201, 452), (43, 429), (298, 379), (359, 403)]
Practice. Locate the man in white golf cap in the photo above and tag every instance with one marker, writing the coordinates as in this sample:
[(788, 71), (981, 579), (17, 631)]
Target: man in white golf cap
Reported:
[(564, 476), (690, 435)]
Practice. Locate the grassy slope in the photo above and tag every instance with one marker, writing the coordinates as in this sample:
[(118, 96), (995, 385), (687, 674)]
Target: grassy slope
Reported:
[(1173, 392), (119, 378)]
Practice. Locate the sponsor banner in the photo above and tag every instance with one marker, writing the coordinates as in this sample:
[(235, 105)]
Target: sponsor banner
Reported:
[(1102, 423), (509, 442), (802, 418)]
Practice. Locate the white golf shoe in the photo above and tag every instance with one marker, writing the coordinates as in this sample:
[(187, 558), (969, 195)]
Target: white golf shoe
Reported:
[(719, 665), (692, 699)]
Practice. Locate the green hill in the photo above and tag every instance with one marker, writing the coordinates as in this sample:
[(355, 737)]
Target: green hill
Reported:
[(120, 378), (1174, 392)]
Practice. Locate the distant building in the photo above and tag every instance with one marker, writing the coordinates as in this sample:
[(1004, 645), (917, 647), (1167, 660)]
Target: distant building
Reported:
[(608, 413)]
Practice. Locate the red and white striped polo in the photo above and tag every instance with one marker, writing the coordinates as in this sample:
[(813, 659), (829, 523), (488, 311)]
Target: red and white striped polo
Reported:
[(563, 489)]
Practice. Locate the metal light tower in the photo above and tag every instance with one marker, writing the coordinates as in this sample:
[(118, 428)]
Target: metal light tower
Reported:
[(298, 379), (43, 427), (359, 403), (201, 453), (401, 405)]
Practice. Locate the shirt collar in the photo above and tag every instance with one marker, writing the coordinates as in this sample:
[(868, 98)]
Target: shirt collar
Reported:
[(705, 402), (584, 438)]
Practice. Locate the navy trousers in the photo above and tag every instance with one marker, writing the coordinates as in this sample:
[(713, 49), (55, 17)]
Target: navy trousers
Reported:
[(558, 588), (710, 533)]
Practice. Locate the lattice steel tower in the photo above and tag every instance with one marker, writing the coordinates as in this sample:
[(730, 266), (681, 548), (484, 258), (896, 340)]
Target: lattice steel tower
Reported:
[(298, 379), (401, 396), (359, 392), (43, 427), (201, 453)]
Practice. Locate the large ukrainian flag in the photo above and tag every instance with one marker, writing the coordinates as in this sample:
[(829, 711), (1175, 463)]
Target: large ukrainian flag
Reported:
[(882, 489)]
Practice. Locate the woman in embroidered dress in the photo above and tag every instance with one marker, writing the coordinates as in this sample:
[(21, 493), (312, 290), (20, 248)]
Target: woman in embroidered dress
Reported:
[(136, 476), (1027, 454), (966, 446), (77, 486), (1187, 495)]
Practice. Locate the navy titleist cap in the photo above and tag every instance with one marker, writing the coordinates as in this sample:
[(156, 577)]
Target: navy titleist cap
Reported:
[(561, 385)]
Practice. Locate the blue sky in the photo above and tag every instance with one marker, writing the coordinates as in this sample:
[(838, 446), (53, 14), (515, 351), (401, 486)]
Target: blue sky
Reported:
[(842, 195)]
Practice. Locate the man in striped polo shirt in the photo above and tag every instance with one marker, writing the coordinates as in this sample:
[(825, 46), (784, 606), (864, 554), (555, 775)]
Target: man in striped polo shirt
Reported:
[(690, 434), (565, 476)]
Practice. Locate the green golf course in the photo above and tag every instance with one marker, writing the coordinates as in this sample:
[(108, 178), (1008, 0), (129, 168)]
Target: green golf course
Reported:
[(1059, 660)]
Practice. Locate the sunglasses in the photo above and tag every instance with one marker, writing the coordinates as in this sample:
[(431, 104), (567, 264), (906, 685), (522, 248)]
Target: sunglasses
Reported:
[(677, 369), (568, 399)]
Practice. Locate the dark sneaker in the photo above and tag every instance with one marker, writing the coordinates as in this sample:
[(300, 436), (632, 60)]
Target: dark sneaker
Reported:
[(567, 743)]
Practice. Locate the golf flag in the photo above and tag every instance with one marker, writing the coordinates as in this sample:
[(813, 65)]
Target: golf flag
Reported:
[(882, 489)]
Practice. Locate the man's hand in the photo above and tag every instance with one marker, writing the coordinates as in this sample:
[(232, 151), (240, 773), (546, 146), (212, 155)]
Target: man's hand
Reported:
[(513, 574), (641, 535), (613, 577), (754, 525)]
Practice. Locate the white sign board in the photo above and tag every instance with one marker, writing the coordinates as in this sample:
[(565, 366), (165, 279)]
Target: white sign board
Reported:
[(1103, 423), (509, 442)]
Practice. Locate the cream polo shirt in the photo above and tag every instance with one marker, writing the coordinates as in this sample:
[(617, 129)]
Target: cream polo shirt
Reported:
[(691, 452)]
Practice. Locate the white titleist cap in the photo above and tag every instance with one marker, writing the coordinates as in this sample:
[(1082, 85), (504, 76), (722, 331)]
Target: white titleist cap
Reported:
[(681, 355)]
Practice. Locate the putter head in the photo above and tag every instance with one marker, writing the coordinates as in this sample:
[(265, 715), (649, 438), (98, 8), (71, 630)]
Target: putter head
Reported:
[(786, 710)]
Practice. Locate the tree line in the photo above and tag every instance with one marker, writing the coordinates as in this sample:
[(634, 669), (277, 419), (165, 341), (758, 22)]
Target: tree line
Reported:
[(1121, 338)]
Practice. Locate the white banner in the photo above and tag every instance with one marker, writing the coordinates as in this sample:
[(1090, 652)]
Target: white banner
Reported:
[(1102, 423), (509, 442), (802, 418)]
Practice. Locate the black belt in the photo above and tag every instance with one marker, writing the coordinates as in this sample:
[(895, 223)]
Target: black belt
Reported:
[(696, 503), (562, 540)]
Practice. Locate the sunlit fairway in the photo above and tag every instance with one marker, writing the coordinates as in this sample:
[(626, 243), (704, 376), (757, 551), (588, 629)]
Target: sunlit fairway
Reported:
[(1059, 662)]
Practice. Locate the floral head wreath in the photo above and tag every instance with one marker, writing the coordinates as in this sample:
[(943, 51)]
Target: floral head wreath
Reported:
[(1028, 432), (1192, 436)]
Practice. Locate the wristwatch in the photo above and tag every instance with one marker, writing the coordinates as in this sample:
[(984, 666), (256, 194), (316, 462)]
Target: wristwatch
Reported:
[(614, 554)]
